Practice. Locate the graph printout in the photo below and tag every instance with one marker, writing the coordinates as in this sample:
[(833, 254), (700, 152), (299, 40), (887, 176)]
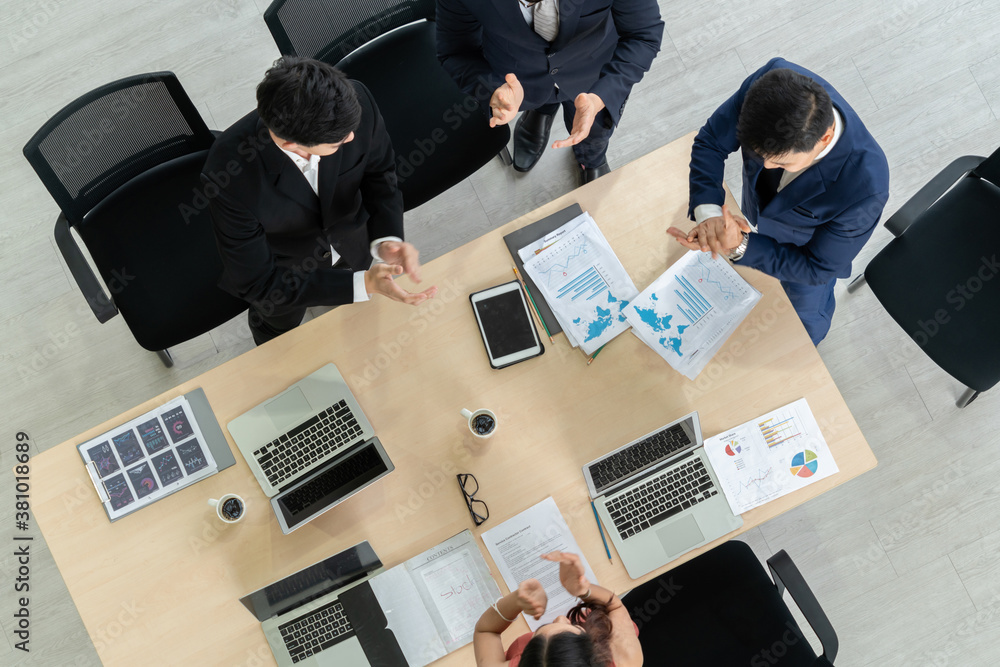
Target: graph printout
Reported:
[(687, 313), (137, 464), (583, 282), (770, 456)]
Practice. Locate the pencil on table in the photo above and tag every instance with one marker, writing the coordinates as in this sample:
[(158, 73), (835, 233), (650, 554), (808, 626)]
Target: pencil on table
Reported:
[(534, 306), (594, 355)]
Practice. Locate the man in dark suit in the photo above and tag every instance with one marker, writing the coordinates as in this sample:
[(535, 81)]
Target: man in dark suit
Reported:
[(583, 55), (814, 186), (305, 198)]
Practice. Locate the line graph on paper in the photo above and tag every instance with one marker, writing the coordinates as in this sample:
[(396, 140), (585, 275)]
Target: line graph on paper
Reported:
[(758, 481), (720, 288)]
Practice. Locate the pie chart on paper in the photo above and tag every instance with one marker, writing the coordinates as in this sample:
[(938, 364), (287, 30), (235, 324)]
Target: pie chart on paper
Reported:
[(804, 464)]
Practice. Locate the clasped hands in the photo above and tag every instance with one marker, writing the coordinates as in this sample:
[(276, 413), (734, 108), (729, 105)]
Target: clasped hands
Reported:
[(720, 234), (506, 102), (531, 596), (399, 258)]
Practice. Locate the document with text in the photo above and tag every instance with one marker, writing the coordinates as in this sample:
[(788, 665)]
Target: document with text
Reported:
[(517, 545)]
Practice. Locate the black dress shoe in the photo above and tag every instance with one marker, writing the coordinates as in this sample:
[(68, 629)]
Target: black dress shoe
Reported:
[(593, 173), (530, 136)]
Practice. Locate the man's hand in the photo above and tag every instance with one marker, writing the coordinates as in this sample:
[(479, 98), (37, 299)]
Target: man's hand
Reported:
[(531, 598), (719, 234), (571, 573), (588, 105), (506, 101), (378, 279), (402, 253)]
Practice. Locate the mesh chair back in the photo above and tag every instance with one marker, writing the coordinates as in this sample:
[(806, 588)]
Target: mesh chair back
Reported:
[(328, 30), (103, 139)]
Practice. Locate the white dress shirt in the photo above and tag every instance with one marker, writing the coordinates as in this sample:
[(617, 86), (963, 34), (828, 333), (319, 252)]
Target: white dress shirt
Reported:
[(310, 170)]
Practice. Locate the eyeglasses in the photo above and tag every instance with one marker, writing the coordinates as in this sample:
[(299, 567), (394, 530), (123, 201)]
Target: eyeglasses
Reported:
[(470, 486)]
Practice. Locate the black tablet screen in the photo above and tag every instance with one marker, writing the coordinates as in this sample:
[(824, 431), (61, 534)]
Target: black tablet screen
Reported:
[(506, 324)]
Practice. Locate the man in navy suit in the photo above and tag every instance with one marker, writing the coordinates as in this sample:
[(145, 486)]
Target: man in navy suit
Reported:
[(538, 55), (814, 186)]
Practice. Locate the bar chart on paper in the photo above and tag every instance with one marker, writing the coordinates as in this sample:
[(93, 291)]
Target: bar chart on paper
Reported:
[(767, 457), (585, 284), (690, 310)]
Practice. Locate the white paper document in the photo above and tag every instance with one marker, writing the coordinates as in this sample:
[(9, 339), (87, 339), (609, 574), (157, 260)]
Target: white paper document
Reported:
[(687, 313), (433, 601), (583, 282), (770, 456), (517, 545)]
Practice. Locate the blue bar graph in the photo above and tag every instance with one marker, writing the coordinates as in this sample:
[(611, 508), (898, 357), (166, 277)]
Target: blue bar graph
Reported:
[(692, 304), (590, 284)]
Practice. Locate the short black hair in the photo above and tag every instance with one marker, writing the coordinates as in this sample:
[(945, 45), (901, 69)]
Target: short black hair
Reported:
[(308, 102), (784, 112)]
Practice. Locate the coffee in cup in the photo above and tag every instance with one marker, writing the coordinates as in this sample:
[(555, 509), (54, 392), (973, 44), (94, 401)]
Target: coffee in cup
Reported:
[(230, 508), (482, 422)]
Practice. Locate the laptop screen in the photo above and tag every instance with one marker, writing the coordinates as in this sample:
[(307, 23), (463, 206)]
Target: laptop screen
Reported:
[(313, 582)]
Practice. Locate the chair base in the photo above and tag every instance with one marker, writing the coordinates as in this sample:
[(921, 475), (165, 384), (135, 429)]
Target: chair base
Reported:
[(165, 357), (968, 396), (856, 284), (505, 157)]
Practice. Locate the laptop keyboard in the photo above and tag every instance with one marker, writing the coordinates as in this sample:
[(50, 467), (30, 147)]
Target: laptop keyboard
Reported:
[(660, 497), (352, 471), (316, 438), (638, 456), (315, 632)]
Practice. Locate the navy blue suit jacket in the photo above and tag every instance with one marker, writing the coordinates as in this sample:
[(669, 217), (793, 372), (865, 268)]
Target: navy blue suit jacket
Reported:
[(603, 47), (815, 226)]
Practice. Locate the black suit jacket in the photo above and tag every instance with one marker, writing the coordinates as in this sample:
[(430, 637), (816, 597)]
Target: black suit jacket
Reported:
[(603, 47), (275, 234)]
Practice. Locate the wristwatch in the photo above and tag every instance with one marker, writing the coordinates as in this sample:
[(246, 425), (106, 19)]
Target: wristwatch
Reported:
[(736, 254)]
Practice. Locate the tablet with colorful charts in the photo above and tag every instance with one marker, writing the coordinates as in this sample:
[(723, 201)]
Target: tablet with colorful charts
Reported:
[(148, 457)]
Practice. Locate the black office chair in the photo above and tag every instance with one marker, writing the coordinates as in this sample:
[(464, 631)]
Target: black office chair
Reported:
[(438, 132), (721, 608), (939, 277), (123, 163)]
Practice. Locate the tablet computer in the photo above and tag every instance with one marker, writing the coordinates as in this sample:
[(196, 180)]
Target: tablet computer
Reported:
[(506, 325)]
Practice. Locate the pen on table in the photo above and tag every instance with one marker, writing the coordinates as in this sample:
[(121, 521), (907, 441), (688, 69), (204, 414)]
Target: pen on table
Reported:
[(601, 530), (534, 306), (594, 355)]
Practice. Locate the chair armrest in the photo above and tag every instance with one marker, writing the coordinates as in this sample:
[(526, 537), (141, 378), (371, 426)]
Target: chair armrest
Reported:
[(102, 305), (930, 193), (786, 575)]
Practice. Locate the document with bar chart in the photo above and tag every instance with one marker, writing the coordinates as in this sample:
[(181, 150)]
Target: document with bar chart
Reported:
[(583, 282), (689, 311), (770, 456)]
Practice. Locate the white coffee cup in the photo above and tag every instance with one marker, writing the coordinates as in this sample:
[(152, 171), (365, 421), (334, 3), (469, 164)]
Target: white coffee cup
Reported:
[(225, 512), (483, 423)]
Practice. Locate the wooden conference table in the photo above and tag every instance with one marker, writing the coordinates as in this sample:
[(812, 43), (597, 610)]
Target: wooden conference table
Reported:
[(178, 573)]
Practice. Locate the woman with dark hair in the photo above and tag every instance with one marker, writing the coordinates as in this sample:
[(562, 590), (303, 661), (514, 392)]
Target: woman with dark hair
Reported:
[(598, 632)]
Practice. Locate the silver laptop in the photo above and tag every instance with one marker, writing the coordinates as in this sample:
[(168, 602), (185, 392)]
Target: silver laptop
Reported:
[(326, 615), (310, 447), (658, 496)]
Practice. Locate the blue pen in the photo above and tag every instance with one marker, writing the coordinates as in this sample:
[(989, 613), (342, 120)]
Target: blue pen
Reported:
[(601, 531)]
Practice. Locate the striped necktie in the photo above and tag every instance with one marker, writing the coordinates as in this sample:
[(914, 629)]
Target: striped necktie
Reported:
[(546, 19)]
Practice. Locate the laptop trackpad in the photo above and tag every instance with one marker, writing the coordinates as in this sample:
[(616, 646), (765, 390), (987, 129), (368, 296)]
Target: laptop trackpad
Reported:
[(680, 536), (288, 409)]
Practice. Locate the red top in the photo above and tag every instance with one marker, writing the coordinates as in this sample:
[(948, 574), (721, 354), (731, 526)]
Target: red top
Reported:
[(515, 650)]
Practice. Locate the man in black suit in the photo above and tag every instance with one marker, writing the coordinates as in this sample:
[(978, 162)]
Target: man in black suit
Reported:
[(305, 199), (538, 55)]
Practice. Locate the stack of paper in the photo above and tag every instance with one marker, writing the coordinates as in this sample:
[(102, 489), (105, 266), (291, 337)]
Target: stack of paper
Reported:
[(583, 282), (689, 311), (770, 456)]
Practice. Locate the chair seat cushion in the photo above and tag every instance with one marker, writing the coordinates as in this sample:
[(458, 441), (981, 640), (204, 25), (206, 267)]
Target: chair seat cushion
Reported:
[(720, 608), (153, 243), (940, 281), (440, 134)]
